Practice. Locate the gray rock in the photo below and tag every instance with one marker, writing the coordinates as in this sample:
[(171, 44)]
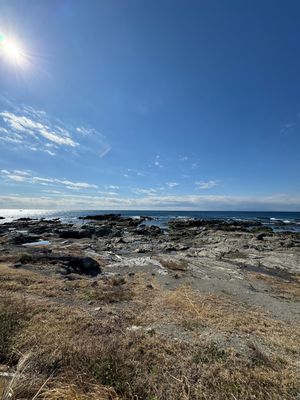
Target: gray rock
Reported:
[(75, 234), (72, 264), (21, 238), (148, 230), (103, 231)]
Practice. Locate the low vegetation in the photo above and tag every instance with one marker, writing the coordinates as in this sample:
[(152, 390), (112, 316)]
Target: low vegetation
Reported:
[(288, 289), (131, 339)]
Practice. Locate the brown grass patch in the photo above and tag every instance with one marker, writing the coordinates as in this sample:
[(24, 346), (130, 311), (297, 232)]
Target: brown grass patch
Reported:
[(21, 280), (69, 391), (95, 356), (174, 265), (286, 289), (224, 314), (196, 312), (112, 290)]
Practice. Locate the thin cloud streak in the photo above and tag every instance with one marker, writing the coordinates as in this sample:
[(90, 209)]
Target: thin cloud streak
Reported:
[(28, 178), (206, 184), (172, 184)]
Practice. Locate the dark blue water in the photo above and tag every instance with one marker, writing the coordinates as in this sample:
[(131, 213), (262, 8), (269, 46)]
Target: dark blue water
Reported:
[(277, 220)]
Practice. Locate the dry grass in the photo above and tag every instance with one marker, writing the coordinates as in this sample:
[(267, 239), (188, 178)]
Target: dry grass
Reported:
[(69, 391), (287, 289), (23, 281), (223, 313), (11, 387), (93, 355), (175, 265), (112, 290)]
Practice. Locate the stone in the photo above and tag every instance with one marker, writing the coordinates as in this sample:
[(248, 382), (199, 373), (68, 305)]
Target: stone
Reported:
[(73, 277), (148, 230), (21, 238), (149, 286), (102, 217), (103, 231), (72, 264), (260, 236), (75, 234)]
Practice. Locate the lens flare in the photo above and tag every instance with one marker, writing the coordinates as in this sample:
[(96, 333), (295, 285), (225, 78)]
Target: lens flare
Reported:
[(12, 51)]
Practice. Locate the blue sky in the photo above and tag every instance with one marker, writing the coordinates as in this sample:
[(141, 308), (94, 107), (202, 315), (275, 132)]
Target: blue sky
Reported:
[(150, 104)]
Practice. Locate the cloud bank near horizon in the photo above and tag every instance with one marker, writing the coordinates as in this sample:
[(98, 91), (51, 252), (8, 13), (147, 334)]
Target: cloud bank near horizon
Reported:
[(30, 190), (62, 201)]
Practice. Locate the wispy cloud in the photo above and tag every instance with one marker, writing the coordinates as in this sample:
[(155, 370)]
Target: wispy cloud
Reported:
[(113, 187), (183, 158), (76, 185), (107, 193), (148, 192), (285, 128), (85, 131), (157, 162), (172, 184), (206, 184), (52, 191), (134, 172), (24, 173), (35, 130), (17, 178), (30, 178)]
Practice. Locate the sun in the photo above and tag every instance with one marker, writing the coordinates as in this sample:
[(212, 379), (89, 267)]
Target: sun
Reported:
[(12, 51)]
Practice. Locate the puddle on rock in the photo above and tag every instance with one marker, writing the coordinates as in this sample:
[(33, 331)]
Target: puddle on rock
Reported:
[(39, 243)]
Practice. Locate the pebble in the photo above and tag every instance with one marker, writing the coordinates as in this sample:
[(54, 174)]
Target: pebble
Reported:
[(149, 286)]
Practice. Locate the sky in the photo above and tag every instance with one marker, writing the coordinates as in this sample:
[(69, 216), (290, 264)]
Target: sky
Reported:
[(147, 104)]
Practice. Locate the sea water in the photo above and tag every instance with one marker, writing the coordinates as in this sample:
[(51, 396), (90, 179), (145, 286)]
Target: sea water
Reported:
[(283, 221)]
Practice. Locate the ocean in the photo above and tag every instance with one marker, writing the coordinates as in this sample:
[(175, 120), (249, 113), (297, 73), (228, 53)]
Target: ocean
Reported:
[(279, 221)]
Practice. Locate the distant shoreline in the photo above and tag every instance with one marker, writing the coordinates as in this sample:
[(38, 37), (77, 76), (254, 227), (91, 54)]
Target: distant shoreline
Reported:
[(277, 220)]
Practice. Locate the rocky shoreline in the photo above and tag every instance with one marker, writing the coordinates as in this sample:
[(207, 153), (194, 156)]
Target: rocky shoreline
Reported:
[(217, 254), (245, 265)]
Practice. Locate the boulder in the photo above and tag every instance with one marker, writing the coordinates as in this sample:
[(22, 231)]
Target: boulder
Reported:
[(103, 231), (21, 238), (148, 230), (103, 217), (75, 234), (72, 264), (260, 236)]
